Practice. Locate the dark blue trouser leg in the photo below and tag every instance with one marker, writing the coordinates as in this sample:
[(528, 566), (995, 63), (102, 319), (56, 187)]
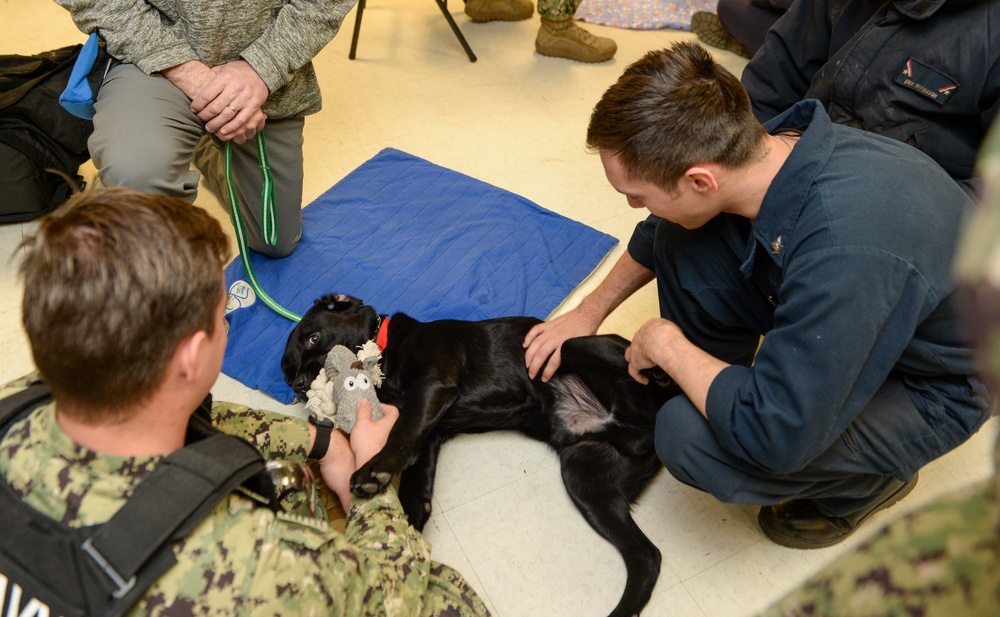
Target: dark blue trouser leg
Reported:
[(702, 289), (888, 439)]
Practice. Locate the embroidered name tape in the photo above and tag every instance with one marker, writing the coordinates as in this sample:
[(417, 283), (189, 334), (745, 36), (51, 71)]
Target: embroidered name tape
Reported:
[(927, 81)]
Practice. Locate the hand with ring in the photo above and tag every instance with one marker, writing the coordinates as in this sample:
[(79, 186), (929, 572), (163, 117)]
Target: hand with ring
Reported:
[(239, 89)]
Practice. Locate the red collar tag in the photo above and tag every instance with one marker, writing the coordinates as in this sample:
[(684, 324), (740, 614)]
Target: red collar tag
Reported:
[(382, 338)]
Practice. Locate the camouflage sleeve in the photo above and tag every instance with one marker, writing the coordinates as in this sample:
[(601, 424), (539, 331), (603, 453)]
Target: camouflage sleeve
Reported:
[(939, 560), (246, 560), (409, 582), (275, 435), (381, 566), (13, 387)]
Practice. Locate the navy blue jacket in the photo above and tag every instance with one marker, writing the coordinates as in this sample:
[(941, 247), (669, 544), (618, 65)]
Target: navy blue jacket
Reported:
[(856, 236), (924, 72)]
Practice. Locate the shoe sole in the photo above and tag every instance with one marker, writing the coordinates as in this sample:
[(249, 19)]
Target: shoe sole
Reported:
[(796, 542), (568, 55), (575, 59)]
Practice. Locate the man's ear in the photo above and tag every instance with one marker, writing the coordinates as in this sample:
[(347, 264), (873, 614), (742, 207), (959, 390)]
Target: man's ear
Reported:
[(187, 358), (702, 180)]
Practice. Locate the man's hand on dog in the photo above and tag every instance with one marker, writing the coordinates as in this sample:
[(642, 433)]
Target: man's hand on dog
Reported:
[(543, 343), (345, 457), (661, 343), (369, 436), (367, 440)]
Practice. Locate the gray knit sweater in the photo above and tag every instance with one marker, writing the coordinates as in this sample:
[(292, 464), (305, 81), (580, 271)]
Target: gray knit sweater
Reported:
[(278, 38)]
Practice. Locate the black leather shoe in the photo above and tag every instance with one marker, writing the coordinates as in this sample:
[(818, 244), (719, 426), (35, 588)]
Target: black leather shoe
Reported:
[(798, 524)]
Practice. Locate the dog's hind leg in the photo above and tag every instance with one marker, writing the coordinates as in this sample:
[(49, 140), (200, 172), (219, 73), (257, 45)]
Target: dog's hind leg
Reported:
[(416, 484), (601, 482)]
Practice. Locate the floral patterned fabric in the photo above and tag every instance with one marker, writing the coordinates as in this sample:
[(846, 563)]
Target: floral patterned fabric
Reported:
[(643, 14)]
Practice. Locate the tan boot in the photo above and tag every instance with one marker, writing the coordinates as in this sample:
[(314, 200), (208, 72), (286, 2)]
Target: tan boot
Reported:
[(504, 10), (564, 39)]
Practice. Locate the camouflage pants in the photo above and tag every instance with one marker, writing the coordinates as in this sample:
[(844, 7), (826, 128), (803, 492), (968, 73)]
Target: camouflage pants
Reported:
[(557, 10)]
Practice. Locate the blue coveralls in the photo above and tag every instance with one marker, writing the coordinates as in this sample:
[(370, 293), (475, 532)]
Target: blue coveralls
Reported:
[(924, 72), (864, 374)]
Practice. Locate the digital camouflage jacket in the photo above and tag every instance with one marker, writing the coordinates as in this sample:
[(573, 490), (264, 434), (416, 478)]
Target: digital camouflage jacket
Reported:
[(243, 559)]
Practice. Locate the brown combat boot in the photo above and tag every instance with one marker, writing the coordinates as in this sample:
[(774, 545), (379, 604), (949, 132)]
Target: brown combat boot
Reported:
[(504, 10), (710, 31), (565, 39)]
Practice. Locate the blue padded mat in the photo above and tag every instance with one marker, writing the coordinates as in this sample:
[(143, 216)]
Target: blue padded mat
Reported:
[(406, 235)]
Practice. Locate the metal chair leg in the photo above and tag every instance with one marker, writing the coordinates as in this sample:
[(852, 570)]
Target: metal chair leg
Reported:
[(442, 4), (357, 29)]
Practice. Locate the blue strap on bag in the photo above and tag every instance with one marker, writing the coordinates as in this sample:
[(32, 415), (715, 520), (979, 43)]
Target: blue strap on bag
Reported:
[(78, 97)]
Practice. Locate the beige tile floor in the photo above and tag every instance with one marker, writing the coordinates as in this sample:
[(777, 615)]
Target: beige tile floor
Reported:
[(516, 120)]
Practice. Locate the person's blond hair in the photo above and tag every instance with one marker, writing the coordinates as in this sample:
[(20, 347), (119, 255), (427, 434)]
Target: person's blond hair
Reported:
[(114, 280)]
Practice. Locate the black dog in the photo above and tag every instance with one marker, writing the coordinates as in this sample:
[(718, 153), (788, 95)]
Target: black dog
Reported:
[(449, 377)]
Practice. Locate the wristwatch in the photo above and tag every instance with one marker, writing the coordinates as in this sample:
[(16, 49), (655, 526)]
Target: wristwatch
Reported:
[(324, 427)]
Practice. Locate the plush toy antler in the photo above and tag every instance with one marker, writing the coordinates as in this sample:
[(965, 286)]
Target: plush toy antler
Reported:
[(342, 383)]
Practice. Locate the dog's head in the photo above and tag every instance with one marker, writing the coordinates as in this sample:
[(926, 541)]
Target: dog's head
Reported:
[(334, 319)]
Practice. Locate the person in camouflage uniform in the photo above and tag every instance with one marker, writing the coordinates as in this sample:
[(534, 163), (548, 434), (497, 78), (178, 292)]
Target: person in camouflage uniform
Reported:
[(943, 559), (558, 36), (95, 283)]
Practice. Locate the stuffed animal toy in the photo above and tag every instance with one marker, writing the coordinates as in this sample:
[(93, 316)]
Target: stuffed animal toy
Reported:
[(346, 378)]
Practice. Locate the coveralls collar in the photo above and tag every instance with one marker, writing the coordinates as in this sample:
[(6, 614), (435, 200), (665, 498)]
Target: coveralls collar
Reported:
[(775, 223)]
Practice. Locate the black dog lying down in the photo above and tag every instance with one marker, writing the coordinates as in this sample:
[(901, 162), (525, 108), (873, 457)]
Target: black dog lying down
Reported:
[(449, 377)]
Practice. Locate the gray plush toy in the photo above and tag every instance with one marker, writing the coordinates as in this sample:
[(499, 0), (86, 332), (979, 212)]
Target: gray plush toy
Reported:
[(342, 383)]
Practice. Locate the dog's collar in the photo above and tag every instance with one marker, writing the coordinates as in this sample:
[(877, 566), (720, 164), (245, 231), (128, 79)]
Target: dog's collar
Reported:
[(382, 338)]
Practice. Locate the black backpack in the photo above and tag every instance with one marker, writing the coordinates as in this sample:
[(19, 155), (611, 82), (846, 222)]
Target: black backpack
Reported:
[(38, 135), (47, 568)]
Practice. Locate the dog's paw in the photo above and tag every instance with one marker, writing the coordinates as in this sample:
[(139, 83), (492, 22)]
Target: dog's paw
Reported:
[(658, 376), (417, 510), (366, 482)]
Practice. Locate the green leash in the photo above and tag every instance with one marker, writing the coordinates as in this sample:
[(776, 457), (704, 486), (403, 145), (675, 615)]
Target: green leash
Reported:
[(269, 223)]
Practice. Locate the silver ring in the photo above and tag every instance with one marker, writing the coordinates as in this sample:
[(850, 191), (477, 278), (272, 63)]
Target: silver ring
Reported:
[(230, 106)]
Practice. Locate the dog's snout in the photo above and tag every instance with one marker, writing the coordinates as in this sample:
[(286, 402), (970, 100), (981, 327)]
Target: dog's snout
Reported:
[(300, 384)]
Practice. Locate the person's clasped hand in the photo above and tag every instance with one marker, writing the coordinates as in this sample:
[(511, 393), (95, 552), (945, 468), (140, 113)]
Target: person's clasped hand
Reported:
[(230, 104)]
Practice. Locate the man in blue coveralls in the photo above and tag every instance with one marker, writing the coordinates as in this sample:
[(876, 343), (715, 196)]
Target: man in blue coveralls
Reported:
[(833, 244)]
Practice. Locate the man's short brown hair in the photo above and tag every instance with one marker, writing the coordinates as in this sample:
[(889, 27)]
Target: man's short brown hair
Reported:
[(674, 109), (114, 280)]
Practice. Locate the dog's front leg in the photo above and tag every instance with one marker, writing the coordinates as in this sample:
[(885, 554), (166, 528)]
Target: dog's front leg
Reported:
[(426, 401), (416, 484)]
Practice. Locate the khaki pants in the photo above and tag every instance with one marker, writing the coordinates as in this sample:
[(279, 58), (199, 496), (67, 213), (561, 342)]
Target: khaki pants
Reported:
[(146, 137)]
